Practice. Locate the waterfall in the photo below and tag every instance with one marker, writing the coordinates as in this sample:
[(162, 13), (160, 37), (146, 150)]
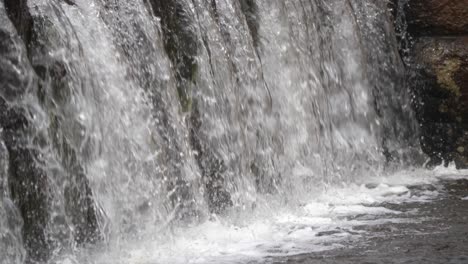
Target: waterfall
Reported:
[(122, 120)]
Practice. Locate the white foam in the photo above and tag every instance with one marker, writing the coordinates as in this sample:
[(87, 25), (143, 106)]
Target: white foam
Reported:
[(326, 222)]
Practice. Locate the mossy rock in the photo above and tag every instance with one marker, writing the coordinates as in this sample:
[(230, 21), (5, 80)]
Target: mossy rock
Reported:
[(445, 73), (441, 88)]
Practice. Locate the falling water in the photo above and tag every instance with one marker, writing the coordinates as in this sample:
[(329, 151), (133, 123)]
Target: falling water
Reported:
[(128, 120)]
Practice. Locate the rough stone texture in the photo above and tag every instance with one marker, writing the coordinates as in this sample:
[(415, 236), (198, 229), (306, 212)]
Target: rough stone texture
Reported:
[(211, 166), (180, 42), (441, 86), (438, 67), (28, 183), (250, 10), (11, 248), (438, 17)]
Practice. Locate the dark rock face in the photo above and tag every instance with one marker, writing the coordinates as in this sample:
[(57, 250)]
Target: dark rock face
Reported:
[(180, 43), (438, 67), (212, 168), (441, 86), (20, 17), (28, 183), (21, 44), (250, 10), (10, 220), (438, 17)]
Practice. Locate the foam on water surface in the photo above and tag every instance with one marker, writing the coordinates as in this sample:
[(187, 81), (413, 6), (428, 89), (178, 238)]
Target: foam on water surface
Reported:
[(327, 221)]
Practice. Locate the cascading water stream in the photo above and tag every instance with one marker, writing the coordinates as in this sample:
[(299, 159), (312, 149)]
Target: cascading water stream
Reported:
[(125, 120)]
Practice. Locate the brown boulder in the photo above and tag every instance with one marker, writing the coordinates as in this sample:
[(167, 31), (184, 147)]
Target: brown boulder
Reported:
[(437, 17)]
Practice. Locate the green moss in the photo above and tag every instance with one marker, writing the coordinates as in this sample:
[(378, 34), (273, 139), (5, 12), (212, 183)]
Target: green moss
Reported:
[(445, 75)]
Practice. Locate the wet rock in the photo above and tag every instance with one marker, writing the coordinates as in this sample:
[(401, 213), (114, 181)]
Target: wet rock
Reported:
[(11, 248), (440, 83), (438, 141), (439, 74), (461, 154), (48, 78), (446, 59), (27, 181), (392, 7), (19, 15), (250, 10), (138, 51), (79, 202), (437, 17), (263, 183), (70, 2), (212, 167), (14, 75), (56, 89), (29, 188), (4, 168), (180, 43)]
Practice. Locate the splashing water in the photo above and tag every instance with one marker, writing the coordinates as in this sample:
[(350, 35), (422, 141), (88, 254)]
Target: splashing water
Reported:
[(153, 128)]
